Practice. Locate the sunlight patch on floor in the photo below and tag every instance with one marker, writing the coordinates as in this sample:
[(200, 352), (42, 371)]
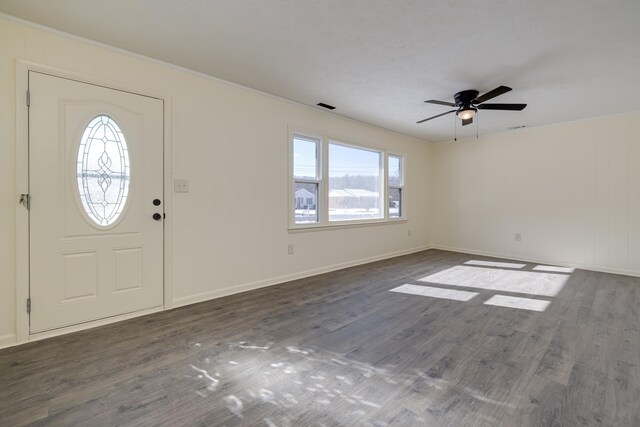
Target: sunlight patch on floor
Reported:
[(517, 302), (428, 291), (553, 269), (524, 282), (495, 264)]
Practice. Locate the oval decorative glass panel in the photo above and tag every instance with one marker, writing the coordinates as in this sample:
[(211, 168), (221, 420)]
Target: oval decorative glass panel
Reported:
[(102, 171)]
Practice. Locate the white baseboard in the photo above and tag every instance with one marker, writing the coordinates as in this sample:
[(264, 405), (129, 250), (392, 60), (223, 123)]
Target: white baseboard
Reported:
[(230, 290), (514, 257), (7, 340)]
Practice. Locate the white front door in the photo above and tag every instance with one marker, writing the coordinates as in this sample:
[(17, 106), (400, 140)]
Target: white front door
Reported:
[(96, 217)]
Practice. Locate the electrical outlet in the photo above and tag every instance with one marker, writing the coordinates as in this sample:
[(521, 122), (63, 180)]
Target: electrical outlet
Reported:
[(180, 185), (291, 249), (518, 237)]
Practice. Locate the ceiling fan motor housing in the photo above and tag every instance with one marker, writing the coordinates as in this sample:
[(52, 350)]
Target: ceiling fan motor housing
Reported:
[(465, 98)]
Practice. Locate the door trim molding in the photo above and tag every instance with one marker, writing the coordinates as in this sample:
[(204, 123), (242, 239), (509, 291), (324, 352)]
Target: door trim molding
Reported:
[(22, 186), (22, 215)]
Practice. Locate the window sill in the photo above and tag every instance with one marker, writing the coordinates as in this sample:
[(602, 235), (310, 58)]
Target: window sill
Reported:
[(342, 225)]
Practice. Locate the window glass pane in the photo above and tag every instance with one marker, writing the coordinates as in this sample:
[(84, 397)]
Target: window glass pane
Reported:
[(305, 162), (305, 202), (395, 202), (354, 183), (102, 171), (395, 171)]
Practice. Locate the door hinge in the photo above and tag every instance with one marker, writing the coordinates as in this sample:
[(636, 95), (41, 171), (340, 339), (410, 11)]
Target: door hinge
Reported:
[(28, 98), (25, 200), (28, 305)]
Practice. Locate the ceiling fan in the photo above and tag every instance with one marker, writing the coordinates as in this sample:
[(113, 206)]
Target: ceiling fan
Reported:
[(468, 103)]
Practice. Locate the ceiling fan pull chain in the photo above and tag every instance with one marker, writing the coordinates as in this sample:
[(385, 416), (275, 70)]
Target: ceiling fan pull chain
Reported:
[(477, 124), (455, 129)]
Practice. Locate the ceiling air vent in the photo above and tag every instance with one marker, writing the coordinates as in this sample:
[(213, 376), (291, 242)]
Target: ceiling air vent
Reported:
[(517, 127), (327, 106)]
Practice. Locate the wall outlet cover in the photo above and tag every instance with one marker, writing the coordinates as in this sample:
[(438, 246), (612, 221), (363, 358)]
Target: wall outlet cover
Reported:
[(180, 185)]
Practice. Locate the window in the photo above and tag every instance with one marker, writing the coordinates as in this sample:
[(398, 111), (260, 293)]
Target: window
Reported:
[(102, 171), (306, 176), (354, 183), (335, 183), (395, 181)]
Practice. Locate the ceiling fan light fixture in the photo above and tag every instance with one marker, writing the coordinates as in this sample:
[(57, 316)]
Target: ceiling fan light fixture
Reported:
[(466, 113)]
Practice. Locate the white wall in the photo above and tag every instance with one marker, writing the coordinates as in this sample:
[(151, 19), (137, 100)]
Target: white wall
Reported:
[(572, 190), (225, 139)]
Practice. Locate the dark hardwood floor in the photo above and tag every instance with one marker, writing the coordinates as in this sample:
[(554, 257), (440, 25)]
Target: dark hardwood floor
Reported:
[(341, 349)]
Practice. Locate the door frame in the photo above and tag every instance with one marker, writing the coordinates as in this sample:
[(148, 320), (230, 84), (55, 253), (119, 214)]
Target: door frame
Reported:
[(22, 186)]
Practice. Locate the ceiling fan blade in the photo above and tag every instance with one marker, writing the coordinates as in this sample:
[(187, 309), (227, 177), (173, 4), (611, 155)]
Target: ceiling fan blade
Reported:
[(505, 107), (491, 94), (435, 117), (467, 121), (433, 101)]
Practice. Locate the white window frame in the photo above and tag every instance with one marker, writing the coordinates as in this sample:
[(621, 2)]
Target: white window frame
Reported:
[(318, 180), (400, 187), (322, 199)]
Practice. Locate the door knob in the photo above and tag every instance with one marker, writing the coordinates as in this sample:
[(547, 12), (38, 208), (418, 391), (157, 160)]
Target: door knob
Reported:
[(157, 216)]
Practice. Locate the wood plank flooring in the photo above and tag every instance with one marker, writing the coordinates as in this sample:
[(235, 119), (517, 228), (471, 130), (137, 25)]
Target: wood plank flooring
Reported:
[(340, 349)]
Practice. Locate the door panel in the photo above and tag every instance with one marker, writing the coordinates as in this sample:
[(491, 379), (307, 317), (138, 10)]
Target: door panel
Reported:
[(80, 270)]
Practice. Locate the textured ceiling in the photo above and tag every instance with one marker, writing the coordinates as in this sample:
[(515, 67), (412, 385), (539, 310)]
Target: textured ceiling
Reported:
[(378, 60)]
